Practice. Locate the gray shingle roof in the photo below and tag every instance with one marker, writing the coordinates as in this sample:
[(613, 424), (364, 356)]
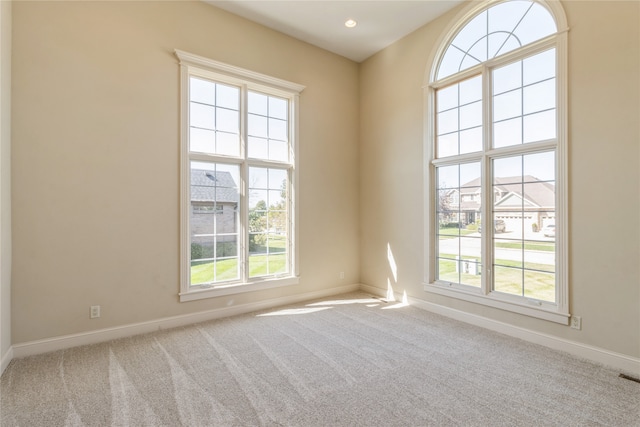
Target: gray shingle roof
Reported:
[(539, 193), (209, 186)]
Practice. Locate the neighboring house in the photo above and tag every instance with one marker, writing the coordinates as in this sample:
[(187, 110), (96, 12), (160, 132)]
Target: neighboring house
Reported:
[(214, 207), (517, 200)]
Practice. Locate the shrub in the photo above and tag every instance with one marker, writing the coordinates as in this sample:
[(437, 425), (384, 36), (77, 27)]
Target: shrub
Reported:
[(449, 225)]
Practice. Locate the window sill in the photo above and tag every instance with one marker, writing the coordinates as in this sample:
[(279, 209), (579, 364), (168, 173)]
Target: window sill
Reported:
[(528, 308), (237, 288)]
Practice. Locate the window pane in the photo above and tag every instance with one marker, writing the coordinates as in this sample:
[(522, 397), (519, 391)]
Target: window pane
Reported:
[(447, 270), (277, 264), (471, 90), (214, 221), (471, 140), (507, 170), (539, 67), (257, 103), (458, 211), (507, 252), (507, 280), (450, 63), (524, 205), (202, 140), (507, 105), (472, 32), (278, 150), (540, 126), (227, 120), (447, 98), (540, 285), (227, 96), (470, 174), (512, 43), (257, 126), (496, 31), (507, 78), (448, 224), (470, 272), (258, 148), (278, 108), (537, 24), (228, 144), (278, 129), (470, 247), (277, 243), (447, 145), (540, 255), (202, 91), (448, 121), (258, 199), (268, 221), (505, 16), (448, 176), (540, 195), (497, 42), (202, 116), (507, 133), (471, 115), (540, 96), (268, 119), (540, 166), (227, 269), (258, 178), (277, 179)]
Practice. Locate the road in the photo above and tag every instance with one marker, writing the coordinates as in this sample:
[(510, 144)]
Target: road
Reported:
[(472, 248)]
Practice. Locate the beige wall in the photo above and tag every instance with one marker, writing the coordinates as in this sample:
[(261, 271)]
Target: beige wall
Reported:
[(95, 151), (604, 187), (5, 177)]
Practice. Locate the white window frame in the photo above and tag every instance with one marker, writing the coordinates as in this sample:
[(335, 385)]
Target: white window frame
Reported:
[(198, 66), (559, 311)]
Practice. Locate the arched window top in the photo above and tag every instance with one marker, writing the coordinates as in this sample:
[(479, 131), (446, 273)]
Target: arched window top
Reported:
[(495, 31)]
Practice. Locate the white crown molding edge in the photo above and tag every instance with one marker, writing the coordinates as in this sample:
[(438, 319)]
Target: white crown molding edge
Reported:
[(626, 364), (93, 337)]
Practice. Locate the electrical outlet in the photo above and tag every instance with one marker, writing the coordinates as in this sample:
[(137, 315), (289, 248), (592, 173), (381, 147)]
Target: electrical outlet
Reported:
[(342, 275), (576, 322), (95, 311)]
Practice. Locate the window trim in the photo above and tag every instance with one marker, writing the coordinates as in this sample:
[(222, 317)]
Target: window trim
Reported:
[(558, 312), (195, 65)]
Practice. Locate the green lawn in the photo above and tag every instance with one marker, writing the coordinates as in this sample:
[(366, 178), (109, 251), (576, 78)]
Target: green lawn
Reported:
[(538, 285), (531, 246), (260, 263), (451, 233), (227, 269)]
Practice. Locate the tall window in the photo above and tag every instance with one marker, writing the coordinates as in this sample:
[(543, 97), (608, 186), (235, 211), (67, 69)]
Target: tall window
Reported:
[(238, 155), (496, 147)]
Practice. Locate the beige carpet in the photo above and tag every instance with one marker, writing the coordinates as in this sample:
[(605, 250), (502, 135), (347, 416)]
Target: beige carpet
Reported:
[(347, 361)]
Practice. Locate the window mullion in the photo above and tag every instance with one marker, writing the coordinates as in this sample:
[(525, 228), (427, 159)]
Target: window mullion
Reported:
[(487, 200), (244, 189)]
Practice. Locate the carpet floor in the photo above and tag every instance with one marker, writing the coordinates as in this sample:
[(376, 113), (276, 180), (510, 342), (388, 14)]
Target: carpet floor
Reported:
[(351, 360)]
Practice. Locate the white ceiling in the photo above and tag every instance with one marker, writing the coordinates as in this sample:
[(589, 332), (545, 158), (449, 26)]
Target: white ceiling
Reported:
[(321, 22)]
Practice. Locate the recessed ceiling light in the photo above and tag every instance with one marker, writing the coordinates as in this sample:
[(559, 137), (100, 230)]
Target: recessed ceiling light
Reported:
[(350, 23)]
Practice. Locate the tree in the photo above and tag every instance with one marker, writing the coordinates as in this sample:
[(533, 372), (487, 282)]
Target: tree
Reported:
[(257, 224)]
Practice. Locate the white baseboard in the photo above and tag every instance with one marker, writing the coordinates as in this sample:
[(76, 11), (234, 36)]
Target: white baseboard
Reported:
[(102, 335), (6, 359), (624, 363)]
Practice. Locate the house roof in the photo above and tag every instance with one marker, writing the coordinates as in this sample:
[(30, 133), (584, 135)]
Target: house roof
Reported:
[(538, 194), (210, 186)]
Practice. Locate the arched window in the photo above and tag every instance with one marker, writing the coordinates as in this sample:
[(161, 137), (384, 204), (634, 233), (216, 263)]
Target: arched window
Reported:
[(496, 138)]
